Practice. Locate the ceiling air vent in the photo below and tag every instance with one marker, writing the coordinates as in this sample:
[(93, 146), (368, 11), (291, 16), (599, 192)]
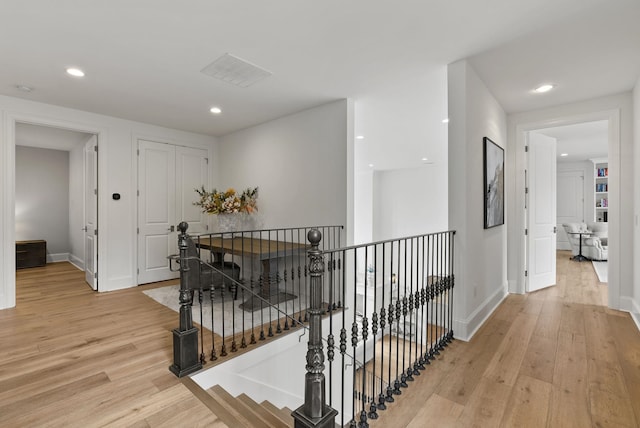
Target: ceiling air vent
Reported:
[(236, 71)]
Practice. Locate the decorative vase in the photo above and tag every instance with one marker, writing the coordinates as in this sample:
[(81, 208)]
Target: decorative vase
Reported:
[(237, 222), (228, 222)]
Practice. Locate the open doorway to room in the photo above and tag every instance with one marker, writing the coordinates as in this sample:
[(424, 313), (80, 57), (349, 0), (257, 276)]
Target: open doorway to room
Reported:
[(56, 198), (568, 203)]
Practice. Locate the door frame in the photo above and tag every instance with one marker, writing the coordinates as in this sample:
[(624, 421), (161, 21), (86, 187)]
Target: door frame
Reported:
[(613, 118), (8, 160)]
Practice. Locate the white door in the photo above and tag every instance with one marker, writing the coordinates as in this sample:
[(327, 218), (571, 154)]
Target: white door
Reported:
[(191, 173), (542, 212), (167, 177), (91, 212), (570, 203)]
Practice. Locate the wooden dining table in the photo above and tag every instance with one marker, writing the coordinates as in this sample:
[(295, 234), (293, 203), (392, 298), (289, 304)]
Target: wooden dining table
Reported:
[(267, 251)]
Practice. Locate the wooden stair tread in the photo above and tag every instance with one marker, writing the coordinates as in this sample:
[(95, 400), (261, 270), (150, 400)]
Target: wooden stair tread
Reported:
[(238, 407), (283, 414), (263, 411), (216, 406)]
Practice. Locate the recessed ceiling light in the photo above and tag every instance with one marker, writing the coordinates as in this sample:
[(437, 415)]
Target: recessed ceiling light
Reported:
[(425, 159), (24, 88), (215, 110), (75, 72), (544, 88), (445, 120), (564, 154), (360, 137), (370, 165)]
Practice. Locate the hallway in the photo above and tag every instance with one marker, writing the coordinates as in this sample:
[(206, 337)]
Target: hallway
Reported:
[(554, 358)]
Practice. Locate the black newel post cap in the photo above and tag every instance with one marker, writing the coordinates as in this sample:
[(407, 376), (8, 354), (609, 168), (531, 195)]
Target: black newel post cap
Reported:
[(314, 236), (183, 226)]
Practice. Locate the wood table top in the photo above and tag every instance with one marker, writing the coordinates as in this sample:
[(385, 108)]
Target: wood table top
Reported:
[(263, 248)]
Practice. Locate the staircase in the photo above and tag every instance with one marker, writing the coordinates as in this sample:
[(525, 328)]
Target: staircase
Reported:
[(240, 411)]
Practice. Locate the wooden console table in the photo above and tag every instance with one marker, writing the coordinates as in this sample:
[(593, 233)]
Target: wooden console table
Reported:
[(265, 250)]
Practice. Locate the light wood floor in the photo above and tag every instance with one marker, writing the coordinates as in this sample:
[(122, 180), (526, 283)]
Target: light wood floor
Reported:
[(557, 357), (554, 358), (74, 358)]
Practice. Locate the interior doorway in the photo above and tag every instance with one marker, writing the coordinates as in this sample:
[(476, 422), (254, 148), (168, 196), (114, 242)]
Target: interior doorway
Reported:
[(56, 197), (581, 192)]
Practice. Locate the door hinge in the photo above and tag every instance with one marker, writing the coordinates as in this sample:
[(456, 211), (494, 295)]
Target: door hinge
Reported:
[(526, 232), (526, 148), (95, 232), (526, 273), (206, 227), (138, 152), (95, 148), (526, 190), (138, 271), (95, 191), (138, 193), (138, 230), (95, 275), (206, 160)]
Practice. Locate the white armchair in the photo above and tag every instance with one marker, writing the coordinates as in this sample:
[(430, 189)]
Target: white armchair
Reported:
[(594, 246), (593, 249)]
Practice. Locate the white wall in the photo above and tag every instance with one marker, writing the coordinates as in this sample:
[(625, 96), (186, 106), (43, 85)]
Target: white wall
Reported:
[(76, 205), (363, 207), (42, 198), (409, 202), (299, 163), (480, 255), (618, 110), (636, 210), (117, 169)]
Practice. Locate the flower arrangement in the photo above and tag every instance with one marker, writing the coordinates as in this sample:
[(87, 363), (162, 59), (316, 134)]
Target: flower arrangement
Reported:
[(228, 202)]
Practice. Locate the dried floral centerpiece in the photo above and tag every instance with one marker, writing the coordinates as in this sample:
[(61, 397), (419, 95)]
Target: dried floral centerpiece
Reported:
[(228, 202)]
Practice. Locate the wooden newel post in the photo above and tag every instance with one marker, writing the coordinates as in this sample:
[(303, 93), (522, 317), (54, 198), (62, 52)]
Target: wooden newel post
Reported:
[(314, 412), (185, 337)]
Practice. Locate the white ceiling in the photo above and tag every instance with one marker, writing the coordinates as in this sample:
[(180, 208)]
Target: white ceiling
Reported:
[(143, 59), (582, 141)]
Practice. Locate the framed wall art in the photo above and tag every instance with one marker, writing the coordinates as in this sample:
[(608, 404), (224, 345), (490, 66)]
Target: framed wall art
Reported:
[(493, 184)]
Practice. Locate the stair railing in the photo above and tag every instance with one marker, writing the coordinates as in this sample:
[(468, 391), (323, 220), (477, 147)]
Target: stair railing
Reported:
[(397, 308), (266, 270)]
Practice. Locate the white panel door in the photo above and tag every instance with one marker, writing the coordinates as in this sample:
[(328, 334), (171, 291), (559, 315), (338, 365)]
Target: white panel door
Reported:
[(542, 212), (191, 173), (570, 203), (156, 211), (167, 178), (91, 212)]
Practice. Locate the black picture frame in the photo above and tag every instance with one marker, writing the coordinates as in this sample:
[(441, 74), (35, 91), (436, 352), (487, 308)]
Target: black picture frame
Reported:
[(493, 184)]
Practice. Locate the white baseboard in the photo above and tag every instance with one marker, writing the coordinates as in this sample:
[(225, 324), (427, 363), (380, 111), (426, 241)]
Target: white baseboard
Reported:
[(76, 261), (57, 257), (465, 329), (628, 304)]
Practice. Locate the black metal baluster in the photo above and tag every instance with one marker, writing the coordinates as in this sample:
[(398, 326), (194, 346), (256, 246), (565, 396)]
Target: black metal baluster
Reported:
[(374, 330), (354, 335), (234, 346), (243, 341), (437, 293), (415, 291), (223, 348), (330, 345), (453, 282), (343, 342), (403, 377), (383, 323), (398, 313), (365, 334)]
